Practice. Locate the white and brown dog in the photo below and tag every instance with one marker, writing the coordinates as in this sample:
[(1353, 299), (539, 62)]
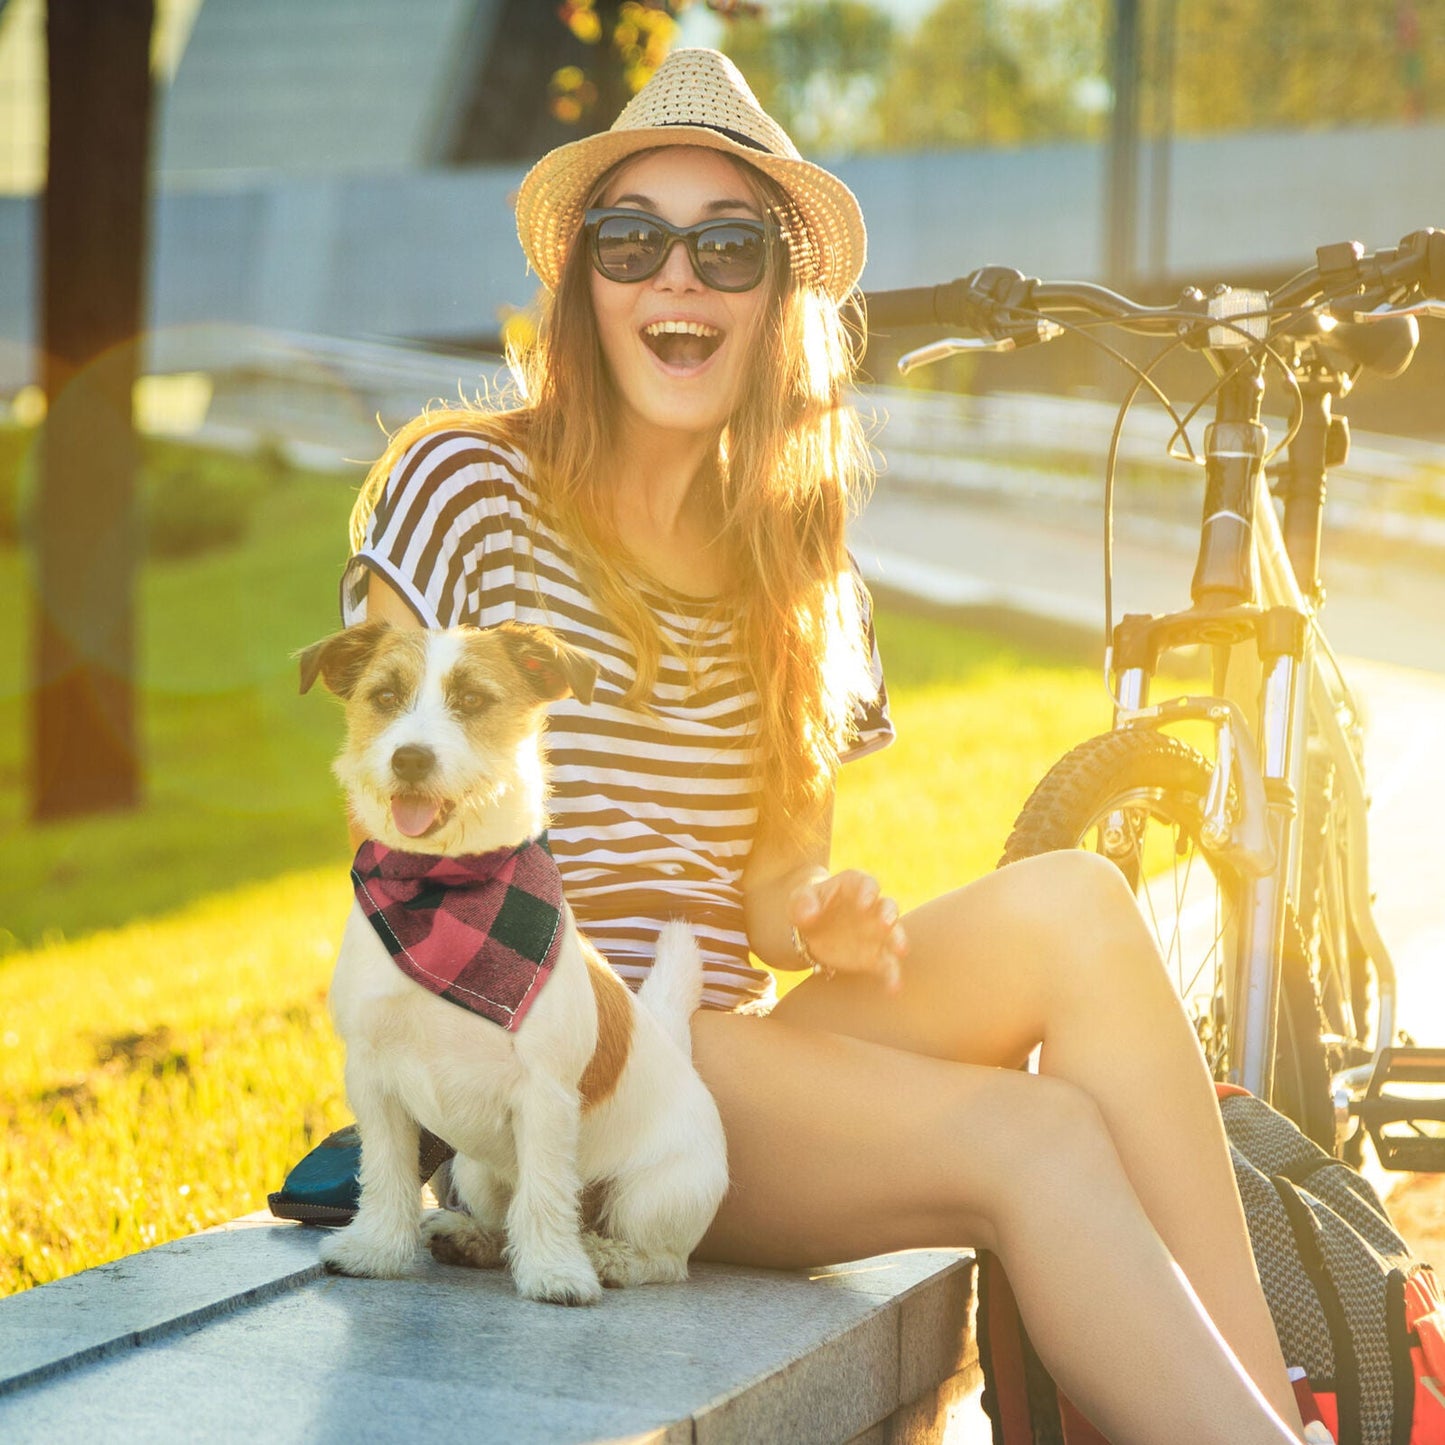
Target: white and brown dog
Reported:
[(471, 1005)]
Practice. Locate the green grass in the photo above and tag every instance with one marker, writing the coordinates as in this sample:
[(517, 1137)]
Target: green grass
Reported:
[(237, 786), (164, 1050), (979, 722), (158, 1079)]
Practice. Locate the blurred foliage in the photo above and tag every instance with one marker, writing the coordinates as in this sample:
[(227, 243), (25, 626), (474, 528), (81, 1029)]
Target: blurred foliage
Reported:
[(977, 72), (816, 68), (1244, 66), (191, 509), (192, 499), (844, 75), (634, 35), (237, 784)]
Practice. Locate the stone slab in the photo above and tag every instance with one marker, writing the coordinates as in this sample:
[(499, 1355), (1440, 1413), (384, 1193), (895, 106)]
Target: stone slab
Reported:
[(240, 1335), (117, 1306)]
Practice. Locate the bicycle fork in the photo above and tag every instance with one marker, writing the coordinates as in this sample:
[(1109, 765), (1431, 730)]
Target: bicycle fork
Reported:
[(1249, 813), (1247, 822)]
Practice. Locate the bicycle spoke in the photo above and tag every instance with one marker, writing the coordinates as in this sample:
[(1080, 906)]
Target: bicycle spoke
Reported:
[(1187, 912)]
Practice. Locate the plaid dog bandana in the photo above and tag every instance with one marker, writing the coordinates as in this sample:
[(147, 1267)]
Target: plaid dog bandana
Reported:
[(482, 930)]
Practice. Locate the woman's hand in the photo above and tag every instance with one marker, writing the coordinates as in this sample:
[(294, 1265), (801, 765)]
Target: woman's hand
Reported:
[(849, 926)]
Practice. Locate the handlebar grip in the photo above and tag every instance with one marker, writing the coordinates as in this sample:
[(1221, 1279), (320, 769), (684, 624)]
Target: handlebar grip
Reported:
[(1432, 243), (1413, 270), (971, 302), (894, 310)]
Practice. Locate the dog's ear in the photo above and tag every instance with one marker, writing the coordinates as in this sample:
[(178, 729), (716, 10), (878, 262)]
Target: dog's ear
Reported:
[(550, 668), (339, 660)]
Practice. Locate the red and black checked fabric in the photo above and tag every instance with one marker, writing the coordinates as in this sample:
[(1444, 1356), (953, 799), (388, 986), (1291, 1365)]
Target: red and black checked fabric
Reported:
[(481, 930)]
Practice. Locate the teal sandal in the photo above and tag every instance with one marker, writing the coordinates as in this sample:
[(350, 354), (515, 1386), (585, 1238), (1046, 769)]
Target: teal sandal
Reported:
[(325, 1187)]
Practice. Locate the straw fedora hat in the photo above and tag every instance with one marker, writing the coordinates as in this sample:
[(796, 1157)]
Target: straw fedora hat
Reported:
[(697, 98)]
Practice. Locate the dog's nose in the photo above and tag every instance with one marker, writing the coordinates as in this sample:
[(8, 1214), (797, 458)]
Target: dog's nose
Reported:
[(411, 763)]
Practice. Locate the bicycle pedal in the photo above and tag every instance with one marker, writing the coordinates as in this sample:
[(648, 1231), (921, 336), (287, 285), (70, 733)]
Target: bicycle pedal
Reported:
[(1407, 1129), (1414, 1154)]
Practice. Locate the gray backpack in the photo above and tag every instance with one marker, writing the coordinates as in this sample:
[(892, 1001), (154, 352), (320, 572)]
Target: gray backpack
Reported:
[(1353, 1308)]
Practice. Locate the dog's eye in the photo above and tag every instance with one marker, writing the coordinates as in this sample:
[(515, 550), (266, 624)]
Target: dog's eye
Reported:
[(471, 702), (384, 697)]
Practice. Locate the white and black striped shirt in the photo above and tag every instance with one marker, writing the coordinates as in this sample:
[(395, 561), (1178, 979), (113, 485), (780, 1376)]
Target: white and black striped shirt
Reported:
[(653, 815)]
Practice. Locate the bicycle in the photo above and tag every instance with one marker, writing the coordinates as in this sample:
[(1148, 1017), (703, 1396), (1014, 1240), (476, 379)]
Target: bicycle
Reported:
[(1251, 857)]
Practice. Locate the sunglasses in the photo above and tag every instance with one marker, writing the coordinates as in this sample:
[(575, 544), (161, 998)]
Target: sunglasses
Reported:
[(727, 255)]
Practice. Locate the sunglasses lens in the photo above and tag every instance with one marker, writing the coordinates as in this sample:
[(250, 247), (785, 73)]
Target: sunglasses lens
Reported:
[(731, 258), (728, 255), (628, 249)]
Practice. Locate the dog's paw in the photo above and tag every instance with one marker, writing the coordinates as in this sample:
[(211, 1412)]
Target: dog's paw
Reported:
[(455, 1238), (351, 1252), (614, 1260), (559, 1282), (620, 1264)]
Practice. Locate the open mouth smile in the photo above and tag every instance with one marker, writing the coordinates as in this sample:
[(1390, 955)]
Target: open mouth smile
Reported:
[(682, 346)]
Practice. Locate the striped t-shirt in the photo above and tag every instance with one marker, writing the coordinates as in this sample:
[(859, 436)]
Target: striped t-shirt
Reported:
[(653, 815)]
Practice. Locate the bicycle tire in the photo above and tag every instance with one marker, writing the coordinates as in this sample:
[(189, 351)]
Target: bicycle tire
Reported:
[(1138, 798)]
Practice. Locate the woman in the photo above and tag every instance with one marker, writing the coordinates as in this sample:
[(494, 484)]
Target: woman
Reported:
[(671, 497)]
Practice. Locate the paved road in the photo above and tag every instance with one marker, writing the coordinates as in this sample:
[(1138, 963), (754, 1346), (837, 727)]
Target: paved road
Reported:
[(1046, 555), (1387, 620)]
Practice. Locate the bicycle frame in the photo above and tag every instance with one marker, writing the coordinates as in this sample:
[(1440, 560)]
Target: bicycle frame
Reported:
[(1278, 816), (1266, 726), (1314, 717)]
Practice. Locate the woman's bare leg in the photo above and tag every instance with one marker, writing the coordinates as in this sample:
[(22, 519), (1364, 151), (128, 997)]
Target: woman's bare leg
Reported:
[(839, 1149), (1054, 951)]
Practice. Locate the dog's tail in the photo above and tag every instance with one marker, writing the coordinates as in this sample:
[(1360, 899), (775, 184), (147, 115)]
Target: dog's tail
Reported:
[(672, 990)]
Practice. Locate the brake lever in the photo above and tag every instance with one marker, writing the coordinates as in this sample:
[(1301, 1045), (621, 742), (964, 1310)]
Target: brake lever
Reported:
[(951, 346), (1435, 309), (1020, 334)]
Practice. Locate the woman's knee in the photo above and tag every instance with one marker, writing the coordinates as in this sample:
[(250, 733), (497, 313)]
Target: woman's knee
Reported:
[(1087, 923), (1049, 931), (1037, 1136), (1060, 1120), (1074, 885)]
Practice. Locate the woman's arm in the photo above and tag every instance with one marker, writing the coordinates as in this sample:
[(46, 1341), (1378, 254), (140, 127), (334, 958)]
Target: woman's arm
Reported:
[(843, 918), (384, 601)]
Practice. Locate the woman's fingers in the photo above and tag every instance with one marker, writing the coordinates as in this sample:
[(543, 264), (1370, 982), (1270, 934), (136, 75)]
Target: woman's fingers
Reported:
[(851, 925), (805, 905), (841, 897)]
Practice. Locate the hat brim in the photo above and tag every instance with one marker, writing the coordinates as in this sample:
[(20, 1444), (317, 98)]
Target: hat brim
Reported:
[(555, 192)]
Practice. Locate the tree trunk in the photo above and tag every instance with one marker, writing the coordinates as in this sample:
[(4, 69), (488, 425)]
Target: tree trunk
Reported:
[(84, 755)]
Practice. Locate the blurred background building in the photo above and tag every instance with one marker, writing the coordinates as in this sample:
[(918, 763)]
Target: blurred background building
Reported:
[(321, 165)]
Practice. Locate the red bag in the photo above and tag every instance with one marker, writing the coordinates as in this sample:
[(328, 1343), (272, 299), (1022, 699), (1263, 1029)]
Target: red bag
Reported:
[(1425, 1336)]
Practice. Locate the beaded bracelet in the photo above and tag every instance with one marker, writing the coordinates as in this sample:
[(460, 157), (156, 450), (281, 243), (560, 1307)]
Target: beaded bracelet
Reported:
[(800, 947)]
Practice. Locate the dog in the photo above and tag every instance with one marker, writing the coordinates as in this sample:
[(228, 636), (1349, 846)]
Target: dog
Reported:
[(541, 1070)]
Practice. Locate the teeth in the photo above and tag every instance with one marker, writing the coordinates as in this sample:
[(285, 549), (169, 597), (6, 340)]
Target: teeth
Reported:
[(679, 328)]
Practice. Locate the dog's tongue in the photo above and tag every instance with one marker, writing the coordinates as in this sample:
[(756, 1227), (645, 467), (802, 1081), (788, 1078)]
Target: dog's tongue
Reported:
[(412, 815)]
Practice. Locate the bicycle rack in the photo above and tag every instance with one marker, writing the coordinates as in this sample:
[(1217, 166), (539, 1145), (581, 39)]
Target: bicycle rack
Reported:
[(1422, 1150)]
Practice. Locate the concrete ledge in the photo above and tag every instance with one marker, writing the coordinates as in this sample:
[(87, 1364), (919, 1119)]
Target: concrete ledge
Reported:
[(135, 1301), (239, 1334)]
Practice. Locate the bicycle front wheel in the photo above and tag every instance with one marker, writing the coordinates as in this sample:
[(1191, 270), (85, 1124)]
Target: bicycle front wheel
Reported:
[(1138, 799)]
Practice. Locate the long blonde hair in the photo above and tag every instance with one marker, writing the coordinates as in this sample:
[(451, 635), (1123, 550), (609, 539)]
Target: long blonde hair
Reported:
[(790, 466)]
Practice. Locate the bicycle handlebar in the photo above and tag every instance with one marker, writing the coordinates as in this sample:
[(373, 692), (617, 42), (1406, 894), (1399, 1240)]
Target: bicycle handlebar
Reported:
[(999, 302)]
